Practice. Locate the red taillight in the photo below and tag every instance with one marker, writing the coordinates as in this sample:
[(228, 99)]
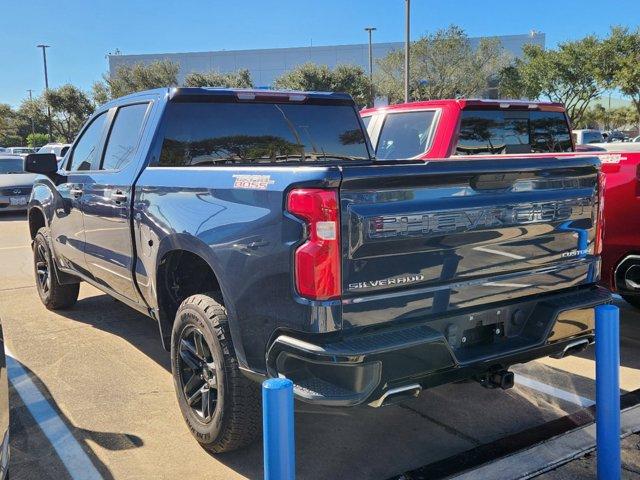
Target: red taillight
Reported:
[(317, 261)]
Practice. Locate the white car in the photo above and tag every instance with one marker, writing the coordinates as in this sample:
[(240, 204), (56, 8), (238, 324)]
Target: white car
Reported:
[(22, 151), (59, 149), (15, 183), (586, 136)]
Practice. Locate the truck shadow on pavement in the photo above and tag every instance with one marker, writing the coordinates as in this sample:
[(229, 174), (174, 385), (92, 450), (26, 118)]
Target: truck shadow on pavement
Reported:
[(629, 340), (32, 454), (111, 316)]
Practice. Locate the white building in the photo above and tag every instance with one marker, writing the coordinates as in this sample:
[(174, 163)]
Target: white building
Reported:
[(266, 65)]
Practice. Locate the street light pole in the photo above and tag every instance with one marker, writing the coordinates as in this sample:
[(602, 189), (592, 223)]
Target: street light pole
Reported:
[(46, 86), (33, 127), (370, 29), (406, 49)]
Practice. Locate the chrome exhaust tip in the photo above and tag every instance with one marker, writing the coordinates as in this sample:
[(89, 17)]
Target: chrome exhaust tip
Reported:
[(627, 274), (572, 348), (398, 394), (632, 277)]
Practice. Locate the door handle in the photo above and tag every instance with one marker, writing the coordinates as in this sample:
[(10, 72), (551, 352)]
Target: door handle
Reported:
[(119, 197), (76, 192)]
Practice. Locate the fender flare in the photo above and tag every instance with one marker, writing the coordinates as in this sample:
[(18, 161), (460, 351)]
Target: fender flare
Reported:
[(189, 243)]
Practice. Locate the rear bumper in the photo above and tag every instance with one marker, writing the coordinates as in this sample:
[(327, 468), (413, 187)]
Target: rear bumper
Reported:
[(17, 203), (364, 366)]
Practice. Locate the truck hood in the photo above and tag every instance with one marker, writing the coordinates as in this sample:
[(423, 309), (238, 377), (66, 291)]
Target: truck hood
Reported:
[(8, 180)]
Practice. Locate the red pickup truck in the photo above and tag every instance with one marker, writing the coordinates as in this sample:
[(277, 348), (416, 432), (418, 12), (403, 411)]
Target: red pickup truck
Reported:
[(439, 129)]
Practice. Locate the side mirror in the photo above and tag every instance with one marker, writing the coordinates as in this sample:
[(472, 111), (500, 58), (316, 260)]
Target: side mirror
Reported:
[(43, 163)]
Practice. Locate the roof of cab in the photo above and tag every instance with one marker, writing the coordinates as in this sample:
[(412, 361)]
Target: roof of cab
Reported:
[(248, 94), (463, 103), (187, 94)]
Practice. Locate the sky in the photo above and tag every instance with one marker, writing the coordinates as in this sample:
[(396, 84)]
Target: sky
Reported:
[(81, 33)]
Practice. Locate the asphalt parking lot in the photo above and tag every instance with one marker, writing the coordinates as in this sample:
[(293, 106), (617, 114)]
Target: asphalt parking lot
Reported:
[(102, 370)]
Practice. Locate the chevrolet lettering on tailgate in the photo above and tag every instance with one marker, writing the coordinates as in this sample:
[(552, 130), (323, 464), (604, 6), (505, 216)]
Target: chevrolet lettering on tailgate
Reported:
[(449, 221)]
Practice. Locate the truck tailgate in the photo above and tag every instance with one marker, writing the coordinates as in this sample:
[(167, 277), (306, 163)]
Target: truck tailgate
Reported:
[(431, 238)]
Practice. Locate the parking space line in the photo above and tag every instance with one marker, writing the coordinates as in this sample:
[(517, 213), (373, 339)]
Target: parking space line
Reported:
[(15, 247), (553, 391), (66, 446)]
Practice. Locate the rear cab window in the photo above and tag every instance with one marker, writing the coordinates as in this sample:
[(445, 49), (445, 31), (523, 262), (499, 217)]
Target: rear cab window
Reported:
[(123, 138), (495, 132), (223, 133)]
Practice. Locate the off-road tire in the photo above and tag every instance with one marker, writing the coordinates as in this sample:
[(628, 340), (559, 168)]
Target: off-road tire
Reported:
[(53, 294), (236, 421)]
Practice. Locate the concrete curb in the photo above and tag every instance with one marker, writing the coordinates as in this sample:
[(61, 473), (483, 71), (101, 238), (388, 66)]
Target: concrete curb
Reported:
[(551, 453)]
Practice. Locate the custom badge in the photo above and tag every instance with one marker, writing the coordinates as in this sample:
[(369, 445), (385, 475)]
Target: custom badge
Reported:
[(252, 182)]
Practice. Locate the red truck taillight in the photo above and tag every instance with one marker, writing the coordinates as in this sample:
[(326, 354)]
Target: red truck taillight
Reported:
[(317, 260)]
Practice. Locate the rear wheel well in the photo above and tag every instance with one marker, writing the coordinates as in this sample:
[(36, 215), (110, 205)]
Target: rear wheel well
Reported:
[(180, 274), (36, 221)]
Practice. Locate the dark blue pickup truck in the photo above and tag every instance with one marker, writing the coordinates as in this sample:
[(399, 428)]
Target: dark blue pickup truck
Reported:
[(259, 231)]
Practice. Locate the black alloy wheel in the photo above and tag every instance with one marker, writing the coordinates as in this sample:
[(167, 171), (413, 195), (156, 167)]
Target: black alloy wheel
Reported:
[(53, 294), (42, 268), (220, 405), (198, 374)]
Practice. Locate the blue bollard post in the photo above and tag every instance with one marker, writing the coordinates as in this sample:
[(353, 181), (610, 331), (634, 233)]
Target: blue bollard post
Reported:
[(277, 424), (608, 391)]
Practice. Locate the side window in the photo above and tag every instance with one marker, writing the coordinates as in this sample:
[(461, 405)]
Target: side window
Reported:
[(86, 149), (124, 136), (404, 135)]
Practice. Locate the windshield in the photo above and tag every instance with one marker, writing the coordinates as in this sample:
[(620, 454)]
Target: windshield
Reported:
[(405, 134), (11, 165), (592, 137), (247, 133)]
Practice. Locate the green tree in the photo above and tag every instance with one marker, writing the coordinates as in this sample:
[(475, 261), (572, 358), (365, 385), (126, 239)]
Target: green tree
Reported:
[(239, 79), (353, 80), (35, 140), (70, 108), (593, 117), (33, 116), (8, 126), (600, 117), (623, 46), (574, 74), (134, 78), (312, 77), (622, 117), (443, 65)]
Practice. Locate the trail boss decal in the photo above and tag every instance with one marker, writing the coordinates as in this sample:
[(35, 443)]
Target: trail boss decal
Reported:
[(252, 182), (385, 282)]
